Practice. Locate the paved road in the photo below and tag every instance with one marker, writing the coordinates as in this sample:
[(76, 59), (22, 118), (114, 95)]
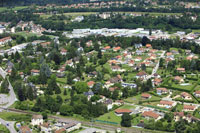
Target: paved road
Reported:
[(12, 97), (8, 100), (156, 67), (9, 125)]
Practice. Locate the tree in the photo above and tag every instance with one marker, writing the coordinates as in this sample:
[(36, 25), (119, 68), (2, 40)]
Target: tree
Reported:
[(66, 110), (81, 87), (4, 86), (125, 92), (115, 95), (65, 92), (30, 94), (45, 116), (180, 126), (126, 120)]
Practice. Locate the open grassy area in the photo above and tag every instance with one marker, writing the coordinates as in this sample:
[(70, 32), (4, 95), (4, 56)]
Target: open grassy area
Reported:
[(10, 116), (73, 14), (3, 129), (14, 9), (111, 117), (136, 99)]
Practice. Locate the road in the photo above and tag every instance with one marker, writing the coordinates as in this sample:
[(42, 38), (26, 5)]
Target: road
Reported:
[(10, 99), (156, 67), (9, 125)]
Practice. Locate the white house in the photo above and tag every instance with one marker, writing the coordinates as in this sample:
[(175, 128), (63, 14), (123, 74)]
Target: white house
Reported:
[(5, 40), (37, 120)]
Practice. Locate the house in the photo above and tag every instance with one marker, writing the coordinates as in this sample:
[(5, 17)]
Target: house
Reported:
[(89, 94), (148, 45), (141, 75), (178, 79), (35, 72), (62, 130), (129, 85), (151, 114), (5, 40), (115, 68), (24, 129), (116, 48), (189, 107), (63, 51), (92, 74), (45, 127), (37, 120), (138, 46), (112, 89), (139, 52), (145, 96), (157, 81), (167, 104), (197, 93), (90, 84), (186, 96), (72, 126), (178, 116), (161, 91), (108, 103), (180, 69), (116, 79), (21, 74), (120, 112)]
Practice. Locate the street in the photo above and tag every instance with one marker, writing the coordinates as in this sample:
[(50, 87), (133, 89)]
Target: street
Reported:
[(9, 125), (6, 101)]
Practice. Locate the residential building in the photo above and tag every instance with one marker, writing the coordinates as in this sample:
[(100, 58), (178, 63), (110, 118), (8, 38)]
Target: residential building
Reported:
[(24, 129), (141, 75), (37, 120), (90, 84), (180, 69), (35, 72), (167, 104), (161, 91), (197, 93), (5, 40), (186, 96), (189, 107), (120, 112), (145, 96), (151, 114)]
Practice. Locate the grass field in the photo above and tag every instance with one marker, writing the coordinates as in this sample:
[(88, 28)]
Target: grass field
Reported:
[(14, 9), (73, 14), (111, 117), (3, 129), (10, 116), (136, 99)]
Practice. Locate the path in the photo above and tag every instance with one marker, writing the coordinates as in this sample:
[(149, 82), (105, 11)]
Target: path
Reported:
[(9, 125), (9, 100)]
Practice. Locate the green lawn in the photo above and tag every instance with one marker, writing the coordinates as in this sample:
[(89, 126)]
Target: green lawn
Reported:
[(137, 118), (111, 117), (137, 98), (3, 129), (25, 34), (10, 116), (14, 9)]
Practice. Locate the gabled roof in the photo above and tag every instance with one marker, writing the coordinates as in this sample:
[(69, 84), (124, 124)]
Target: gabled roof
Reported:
[(121, 111), (150, 114)]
